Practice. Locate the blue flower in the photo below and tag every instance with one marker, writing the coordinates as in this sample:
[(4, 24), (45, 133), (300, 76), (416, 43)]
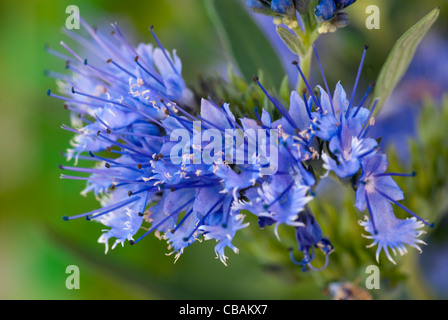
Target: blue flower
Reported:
[(327, 9), (376, 191), (279, 200), (282, 6), (349, 149), (223, 232), (309, 236)]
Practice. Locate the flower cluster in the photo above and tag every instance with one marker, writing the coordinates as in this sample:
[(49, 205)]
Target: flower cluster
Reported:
[(129, 108)]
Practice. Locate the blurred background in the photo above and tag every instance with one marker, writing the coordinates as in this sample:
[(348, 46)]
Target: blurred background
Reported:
[(36, 246)]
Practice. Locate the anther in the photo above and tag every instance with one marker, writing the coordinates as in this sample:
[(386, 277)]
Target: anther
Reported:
[(130, 193), (107, 165)]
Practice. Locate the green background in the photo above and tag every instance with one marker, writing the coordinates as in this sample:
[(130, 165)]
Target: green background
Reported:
[(36, 246)]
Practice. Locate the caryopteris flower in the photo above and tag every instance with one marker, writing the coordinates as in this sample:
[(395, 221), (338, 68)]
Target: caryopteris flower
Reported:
[(183, 176), (376, 191)]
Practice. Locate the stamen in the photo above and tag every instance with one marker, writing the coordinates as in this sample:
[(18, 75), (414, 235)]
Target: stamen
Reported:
[(368, 152), (280, 196), (103, 210), (371, 214), (121, 68), (317, 102), (324, 78), (181, 222), (307, 107), (367, 123), (372, 84), (57, 54), (358, 76), (205, 217), (164, 220), (163, 49), (431, 225), (278, 105), (148, 72), (413, 174)]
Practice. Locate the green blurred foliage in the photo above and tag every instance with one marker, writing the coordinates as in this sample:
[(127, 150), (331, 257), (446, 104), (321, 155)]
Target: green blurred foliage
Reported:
[(36, 246)]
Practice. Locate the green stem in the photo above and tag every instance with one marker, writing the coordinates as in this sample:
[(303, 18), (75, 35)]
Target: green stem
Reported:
[(307, 38), (305, 66)]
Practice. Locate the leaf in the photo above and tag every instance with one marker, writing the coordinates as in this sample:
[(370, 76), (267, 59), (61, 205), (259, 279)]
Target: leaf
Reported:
[(400, 57), (292, 41), (244, 42)]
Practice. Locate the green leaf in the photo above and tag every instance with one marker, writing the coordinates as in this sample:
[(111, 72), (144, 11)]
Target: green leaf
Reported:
[(245, 44), (292, 42), (400, 57)]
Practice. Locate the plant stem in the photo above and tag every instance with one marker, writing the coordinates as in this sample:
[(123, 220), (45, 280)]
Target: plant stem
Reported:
[(305, 66), (307, 38)]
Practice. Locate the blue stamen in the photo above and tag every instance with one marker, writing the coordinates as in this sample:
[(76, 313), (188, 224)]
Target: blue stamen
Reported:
[(163, 221), (307, 84), (121, 68), (431, 225), (367, 124), (148, 72), (104, 209), (413, 174), (358, 76), (278, 105), (163, 49), (364, 98), (324, 78), (371, 214)]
